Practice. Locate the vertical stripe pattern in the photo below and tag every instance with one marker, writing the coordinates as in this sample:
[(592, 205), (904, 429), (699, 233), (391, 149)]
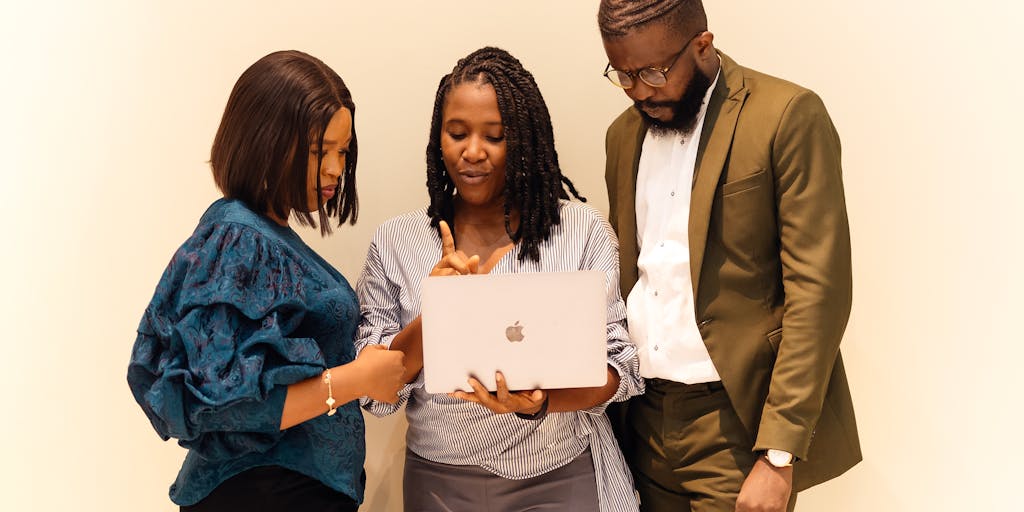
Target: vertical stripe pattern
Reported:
[(452, 431)]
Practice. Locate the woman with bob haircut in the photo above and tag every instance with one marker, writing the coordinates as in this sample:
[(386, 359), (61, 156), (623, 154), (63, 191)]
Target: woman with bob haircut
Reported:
[(245, 353), (498, 204)]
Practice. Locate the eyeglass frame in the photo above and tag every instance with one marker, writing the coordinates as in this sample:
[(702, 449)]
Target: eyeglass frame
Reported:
[(635, 75)]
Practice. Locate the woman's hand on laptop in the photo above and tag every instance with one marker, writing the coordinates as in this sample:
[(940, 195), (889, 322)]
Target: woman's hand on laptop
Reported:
[(504, 401), (453, 262)]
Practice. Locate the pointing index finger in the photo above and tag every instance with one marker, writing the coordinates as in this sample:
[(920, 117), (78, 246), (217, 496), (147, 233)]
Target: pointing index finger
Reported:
[(447, 240)]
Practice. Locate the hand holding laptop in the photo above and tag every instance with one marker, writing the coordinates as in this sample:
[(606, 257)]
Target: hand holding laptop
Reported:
[(510, 341), (455, 262), (503, 401)]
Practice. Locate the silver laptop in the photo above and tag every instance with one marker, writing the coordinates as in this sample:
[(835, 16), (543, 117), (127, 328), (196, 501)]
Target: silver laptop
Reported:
[(544, 330)]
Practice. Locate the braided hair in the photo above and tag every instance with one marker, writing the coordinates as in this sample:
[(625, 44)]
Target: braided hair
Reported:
[(534, 183)]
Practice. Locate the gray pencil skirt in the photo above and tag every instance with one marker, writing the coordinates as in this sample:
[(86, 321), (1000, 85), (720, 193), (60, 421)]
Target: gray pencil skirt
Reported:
[(434, 487)]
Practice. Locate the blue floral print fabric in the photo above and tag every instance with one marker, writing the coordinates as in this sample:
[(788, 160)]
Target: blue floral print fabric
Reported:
[(244, 309)]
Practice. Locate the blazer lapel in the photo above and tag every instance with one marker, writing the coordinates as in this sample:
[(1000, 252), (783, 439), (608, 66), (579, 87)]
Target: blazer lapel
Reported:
[(629, 159), (715, 142)]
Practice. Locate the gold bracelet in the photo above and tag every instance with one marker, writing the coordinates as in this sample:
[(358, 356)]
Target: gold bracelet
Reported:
[(331, 409)]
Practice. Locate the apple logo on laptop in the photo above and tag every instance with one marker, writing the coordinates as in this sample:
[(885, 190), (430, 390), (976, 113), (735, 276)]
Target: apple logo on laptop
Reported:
[(514, 333)]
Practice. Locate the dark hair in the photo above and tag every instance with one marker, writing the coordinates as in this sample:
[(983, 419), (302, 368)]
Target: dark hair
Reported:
[(533, 180), (280, 106), (616, 18)]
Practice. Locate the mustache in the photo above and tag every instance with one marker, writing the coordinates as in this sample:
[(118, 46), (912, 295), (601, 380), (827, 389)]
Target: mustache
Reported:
[(653, 104), (684, 110)]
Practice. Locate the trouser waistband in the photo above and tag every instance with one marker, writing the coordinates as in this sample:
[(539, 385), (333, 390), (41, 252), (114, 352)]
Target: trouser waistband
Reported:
[(671, 386)]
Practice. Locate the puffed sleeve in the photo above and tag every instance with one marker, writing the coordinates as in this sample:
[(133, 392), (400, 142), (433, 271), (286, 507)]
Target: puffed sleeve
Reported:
[(602, 253), (380, 308), (216, 348)]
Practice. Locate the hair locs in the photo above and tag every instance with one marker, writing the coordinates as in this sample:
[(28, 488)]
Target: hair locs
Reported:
[(534, 183)]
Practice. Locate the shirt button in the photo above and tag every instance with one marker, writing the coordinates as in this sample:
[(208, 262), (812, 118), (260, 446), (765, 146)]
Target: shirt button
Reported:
[(655, 348), (673, 193), (655, 293), (662, 244)]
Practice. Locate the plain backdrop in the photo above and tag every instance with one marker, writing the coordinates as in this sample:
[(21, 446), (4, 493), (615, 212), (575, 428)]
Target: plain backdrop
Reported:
[(109, 109)]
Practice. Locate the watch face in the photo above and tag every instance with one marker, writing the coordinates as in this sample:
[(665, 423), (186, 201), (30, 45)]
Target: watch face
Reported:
[(779, 458)]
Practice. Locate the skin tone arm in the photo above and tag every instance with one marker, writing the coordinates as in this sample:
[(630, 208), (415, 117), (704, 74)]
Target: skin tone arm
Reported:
[(410, 339), (376, 373)]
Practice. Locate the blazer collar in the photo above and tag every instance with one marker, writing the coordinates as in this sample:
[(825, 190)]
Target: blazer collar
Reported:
[(627, 161)]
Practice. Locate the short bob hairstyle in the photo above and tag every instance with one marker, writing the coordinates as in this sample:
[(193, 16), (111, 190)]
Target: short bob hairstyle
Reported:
[(279, 107)]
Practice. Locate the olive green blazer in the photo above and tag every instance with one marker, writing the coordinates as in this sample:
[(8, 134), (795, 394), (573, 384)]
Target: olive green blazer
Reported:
[(769, 260)]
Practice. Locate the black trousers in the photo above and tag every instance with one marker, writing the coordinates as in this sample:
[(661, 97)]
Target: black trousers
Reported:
[(273, 489)]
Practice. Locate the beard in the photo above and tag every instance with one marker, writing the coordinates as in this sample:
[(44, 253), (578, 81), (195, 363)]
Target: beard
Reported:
[(684, 110)]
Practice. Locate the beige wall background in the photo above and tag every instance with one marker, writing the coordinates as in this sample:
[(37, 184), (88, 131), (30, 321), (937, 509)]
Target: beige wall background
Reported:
[(109, 109)]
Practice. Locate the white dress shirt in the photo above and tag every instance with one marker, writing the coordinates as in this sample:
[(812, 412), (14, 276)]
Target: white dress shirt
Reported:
[(660, 307)]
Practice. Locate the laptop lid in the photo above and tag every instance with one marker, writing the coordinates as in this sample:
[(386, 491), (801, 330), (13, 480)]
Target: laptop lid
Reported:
[(543, 330)]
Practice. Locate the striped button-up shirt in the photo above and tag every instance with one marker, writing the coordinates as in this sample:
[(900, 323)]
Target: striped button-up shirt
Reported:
[(452, 431)]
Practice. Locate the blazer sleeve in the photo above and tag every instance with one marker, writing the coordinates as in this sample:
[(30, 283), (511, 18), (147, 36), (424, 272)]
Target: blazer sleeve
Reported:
[(816, 273)]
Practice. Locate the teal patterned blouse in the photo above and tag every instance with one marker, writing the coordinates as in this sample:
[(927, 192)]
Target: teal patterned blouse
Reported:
[(244, 309)]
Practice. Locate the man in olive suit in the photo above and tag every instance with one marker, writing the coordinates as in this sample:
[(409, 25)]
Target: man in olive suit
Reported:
[(725, 188)]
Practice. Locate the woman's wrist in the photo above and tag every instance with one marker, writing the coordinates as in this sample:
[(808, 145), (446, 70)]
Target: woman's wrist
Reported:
[(349, 377), (539, 414)]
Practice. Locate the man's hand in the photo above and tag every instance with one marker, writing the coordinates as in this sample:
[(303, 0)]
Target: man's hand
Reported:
[(453, 262), (766, 489), (503, 401)]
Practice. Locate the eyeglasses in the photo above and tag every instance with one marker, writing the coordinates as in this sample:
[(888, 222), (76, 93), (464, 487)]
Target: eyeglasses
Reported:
[(652, 76)]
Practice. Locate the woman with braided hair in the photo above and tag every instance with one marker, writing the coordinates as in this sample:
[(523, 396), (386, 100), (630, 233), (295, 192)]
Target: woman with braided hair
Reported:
[(498, 204)]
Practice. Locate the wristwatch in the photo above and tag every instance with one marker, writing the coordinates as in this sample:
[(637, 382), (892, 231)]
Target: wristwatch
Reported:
[(540, 414), (779, 458)]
